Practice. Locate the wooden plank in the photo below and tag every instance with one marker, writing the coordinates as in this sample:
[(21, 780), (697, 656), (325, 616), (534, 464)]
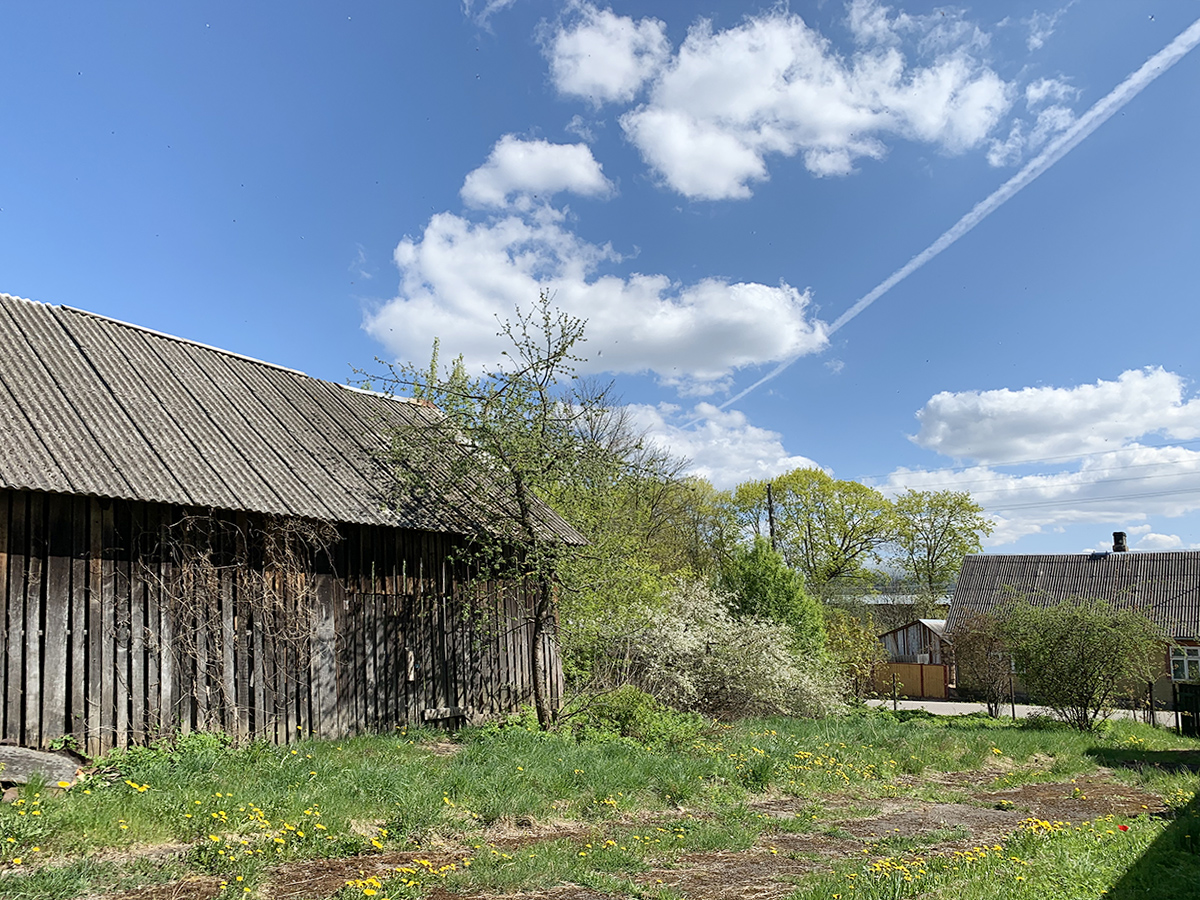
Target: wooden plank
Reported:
[(150, 563), (138, 590), (95, 628), (324, 657), (17, 561), (77, 622), (5, 512), (56, 660), (34, 620), (228, 682), (200, 601), (123, 621), (242, 635), (242, 642), (258, 717), (168, 671)]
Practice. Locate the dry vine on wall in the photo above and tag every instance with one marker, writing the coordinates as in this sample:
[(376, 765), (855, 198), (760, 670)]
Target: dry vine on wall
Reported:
[(220, 580)]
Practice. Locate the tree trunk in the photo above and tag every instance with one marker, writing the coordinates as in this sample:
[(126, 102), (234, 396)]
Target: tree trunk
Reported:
[(541, 699)]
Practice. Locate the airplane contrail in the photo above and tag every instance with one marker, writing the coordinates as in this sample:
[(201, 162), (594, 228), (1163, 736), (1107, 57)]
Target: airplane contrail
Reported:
[(1053, 152)]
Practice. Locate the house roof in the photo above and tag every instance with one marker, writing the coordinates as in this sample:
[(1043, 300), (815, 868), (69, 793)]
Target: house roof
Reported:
[(1165, 586), (936, 626), (90, 405)]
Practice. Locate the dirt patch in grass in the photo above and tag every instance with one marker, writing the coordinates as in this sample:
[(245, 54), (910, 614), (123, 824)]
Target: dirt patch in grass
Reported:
[(1078, 800), (325, 877), (195, 887)]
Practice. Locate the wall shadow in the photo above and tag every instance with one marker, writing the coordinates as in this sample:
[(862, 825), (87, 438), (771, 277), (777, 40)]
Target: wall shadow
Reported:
[(1170, 867)]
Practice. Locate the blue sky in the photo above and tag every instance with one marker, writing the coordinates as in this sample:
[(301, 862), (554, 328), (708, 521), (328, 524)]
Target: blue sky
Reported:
[(712, 185)]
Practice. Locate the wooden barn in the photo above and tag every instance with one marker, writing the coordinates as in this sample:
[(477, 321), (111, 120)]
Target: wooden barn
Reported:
[(191, 539)]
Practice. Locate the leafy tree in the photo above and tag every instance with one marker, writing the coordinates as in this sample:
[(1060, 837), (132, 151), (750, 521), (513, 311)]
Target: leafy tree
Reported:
[(760, 584), (983, 661), (506, 442), (825, 528), (854, 649), (934, 530), (1076, 656)]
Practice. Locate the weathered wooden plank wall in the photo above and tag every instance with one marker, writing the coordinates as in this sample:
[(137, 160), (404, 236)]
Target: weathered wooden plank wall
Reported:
[(107, 643)]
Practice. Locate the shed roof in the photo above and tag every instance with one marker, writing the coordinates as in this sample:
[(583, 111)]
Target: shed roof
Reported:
[(1165, 586), (90, 405)]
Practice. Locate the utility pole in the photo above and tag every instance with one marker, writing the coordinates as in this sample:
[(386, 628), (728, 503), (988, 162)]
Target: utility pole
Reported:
[(771, 515)]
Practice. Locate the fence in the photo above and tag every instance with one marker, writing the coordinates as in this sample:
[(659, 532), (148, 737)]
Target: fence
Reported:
[(108, 641), (917, 681)]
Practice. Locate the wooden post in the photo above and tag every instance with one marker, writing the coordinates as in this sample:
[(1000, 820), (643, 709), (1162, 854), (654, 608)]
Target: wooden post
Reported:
[(1012, 696), (771, 515), (895, 694)]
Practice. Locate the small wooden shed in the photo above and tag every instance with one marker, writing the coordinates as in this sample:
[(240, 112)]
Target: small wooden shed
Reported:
[(922, 641), (192, 539)]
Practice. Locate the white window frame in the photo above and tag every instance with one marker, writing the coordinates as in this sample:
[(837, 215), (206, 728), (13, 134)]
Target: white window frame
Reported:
[(1185, 663)]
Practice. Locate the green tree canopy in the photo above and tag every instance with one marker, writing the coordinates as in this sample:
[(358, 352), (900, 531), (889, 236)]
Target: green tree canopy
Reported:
[(759, 583), (826, 528), (934, 530)]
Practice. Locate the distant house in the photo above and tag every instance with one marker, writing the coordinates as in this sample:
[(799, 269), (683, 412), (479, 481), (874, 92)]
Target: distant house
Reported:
[(923, 641), (1165, 586), (193, 539)]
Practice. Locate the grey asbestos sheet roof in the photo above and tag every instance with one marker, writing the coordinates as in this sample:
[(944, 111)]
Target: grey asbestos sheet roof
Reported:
[(90, 405), (1164, 586)]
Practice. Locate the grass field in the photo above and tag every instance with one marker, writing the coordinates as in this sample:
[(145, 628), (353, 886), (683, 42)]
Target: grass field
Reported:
[(869, 805)]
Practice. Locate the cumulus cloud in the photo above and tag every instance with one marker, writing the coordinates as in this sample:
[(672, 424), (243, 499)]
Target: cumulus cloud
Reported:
[(1003, 426), (1154, 541), (729, 99), (518, 171), (460, 276), (726, 449), (1088, 436), (602, 57), (1123, 486)]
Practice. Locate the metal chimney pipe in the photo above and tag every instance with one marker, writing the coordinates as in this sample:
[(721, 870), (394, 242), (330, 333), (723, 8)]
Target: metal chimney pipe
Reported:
[(1119, 543)]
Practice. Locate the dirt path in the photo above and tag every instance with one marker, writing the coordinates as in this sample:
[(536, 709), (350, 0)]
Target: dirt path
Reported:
[(779, 857)]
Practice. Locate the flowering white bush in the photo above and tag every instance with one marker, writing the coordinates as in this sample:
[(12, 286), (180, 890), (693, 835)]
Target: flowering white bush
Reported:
[(697, 656)]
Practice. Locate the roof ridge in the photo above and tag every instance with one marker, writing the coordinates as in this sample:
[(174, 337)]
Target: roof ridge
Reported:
[(220, 350)]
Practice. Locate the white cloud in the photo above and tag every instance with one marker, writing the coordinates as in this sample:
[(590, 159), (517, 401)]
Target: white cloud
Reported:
[(1155, 541), (726, 449), (481, 12), (1049, 89), (727, 100), (602, 57), (1027, 136), (1041, 26), (528, 170), (1124, 486), (460, 276), (1087, 435), (1002, 426), (581, 128)]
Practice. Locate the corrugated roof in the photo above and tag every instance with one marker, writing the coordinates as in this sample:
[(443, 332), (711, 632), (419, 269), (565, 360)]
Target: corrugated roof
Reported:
[(1165, 586), (91, 405)]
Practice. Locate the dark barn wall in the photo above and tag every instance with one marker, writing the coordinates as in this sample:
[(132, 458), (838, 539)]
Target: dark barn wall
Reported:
[(98, 645)]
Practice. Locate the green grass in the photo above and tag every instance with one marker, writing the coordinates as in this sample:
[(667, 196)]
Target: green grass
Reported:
[(237, 810)]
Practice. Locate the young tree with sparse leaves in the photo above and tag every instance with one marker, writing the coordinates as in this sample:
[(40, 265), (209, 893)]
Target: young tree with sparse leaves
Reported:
[(1076, 656), (505, 443), (983, 661)]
